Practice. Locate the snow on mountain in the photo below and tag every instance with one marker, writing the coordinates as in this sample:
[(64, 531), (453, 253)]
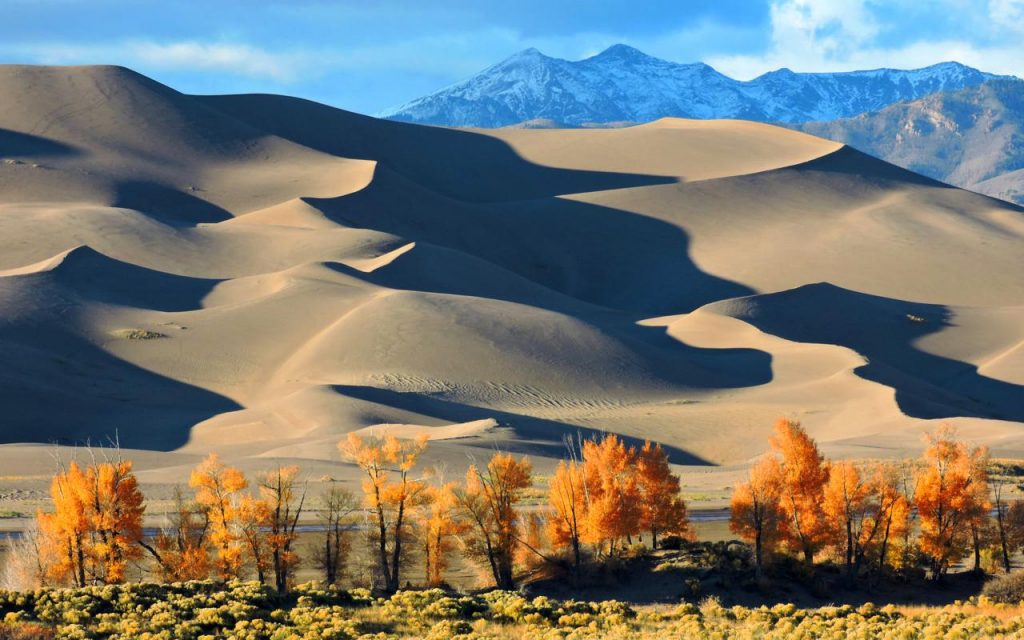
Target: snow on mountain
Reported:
[(624, 84)]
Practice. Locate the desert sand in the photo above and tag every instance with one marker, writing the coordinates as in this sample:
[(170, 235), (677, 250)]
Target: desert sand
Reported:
[(259, 275)]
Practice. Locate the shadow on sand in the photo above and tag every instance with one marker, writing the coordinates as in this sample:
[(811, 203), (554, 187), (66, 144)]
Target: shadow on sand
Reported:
[(885, 330)]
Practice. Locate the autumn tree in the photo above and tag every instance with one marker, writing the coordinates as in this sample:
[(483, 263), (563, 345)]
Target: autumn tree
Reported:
[(64, 532), (283, 502), (181, 548), (982, 533), (613, 492), (804, 474), (755, 511), (252, 523), (391, 493), (488, 500), (96, 525), (114, 509), (847, 508), (662, 508), (567, 497), (947, 498), (331, 555), (218, 490), (441, 527), (889, 518)]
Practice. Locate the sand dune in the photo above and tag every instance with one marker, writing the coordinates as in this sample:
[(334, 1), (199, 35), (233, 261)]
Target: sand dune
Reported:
[(259, 275)]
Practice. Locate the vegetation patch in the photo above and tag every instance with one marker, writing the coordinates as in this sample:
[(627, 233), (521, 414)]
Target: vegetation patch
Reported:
[(138, 334)]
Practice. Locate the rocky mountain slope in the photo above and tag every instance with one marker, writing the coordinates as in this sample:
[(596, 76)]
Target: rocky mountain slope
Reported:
[(972, 138)]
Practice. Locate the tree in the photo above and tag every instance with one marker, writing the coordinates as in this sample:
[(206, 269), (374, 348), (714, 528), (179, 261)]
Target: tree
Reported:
[(253, 521), (218, 490), (567, 496), (978, 519), (114, 508), (947, 498), (181, 548), (284, 508), (998, 480), (662, 508), (846, 507), (1015, 525), (489, 500), (613, 493), (96, 525), (756, 514), (804, 474), (889, 518), (441, 526), (390, 500), (331, 556), (25, 566)]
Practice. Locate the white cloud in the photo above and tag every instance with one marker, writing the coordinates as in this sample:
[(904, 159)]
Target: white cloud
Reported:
[(842, 35), (192, 55), (239, 59)]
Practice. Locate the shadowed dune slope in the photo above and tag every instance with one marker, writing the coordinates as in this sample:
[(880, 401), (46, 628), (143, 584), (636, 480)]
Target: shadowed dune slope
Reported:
[(259, 275)]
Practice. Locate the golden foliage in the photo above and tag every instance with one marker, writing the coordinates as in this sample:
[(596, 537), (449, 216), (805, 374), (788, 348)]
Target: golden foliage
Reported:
[(218, 490), (390, 500), (804, 474)]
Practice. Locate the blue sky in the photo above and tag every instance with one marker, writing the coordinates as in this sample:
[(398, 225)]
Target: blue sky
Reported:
[(369, 55)]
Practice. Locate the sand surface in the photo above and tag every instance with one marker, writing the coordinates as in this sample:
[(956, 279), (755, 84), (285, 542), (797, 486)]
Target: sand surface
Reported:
[(259, 275)]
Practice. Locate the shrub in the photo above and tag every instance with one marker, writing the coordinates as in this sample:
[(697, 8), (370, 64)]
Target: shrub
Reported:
[(1007, 588)]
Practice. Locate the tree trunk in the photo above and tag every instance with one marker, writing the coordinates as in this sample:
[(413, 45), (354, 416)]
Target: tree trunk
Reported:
[(758, 558), (976, 539), (397, 553), (382, 547), (329, 566), (1002, 538), (849, 548)]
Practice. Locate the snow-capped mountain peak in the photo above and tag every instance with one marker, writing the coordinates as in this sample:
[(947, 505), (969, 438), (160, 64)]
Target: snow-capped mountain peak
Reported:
[(623, 83)]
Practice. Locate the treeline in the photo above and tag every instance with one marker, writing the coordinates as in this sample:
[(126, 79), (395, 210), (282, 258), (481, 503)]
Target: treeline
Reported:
[(604, 497), (934, 512)]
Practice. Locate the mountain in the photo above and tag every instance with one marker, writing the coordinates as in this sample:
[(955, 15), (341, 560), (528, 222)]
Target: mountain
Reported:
[(972, 138), (622, 84), (259, 275)]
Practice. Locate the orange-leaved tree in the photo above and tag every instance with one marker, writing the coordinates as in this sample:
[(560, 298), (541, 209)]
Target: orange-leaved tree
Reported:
[(979, 522), (114, 506), (253, 521), (441, 526), (662, 508), (391, 493), (181, 548), (847, 506), (613, 492), (488, 500), (218, 490), (947, 498), (64, 532), (567, 496), (888, 520), (804, 474), (96, 525), (756, 514)]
